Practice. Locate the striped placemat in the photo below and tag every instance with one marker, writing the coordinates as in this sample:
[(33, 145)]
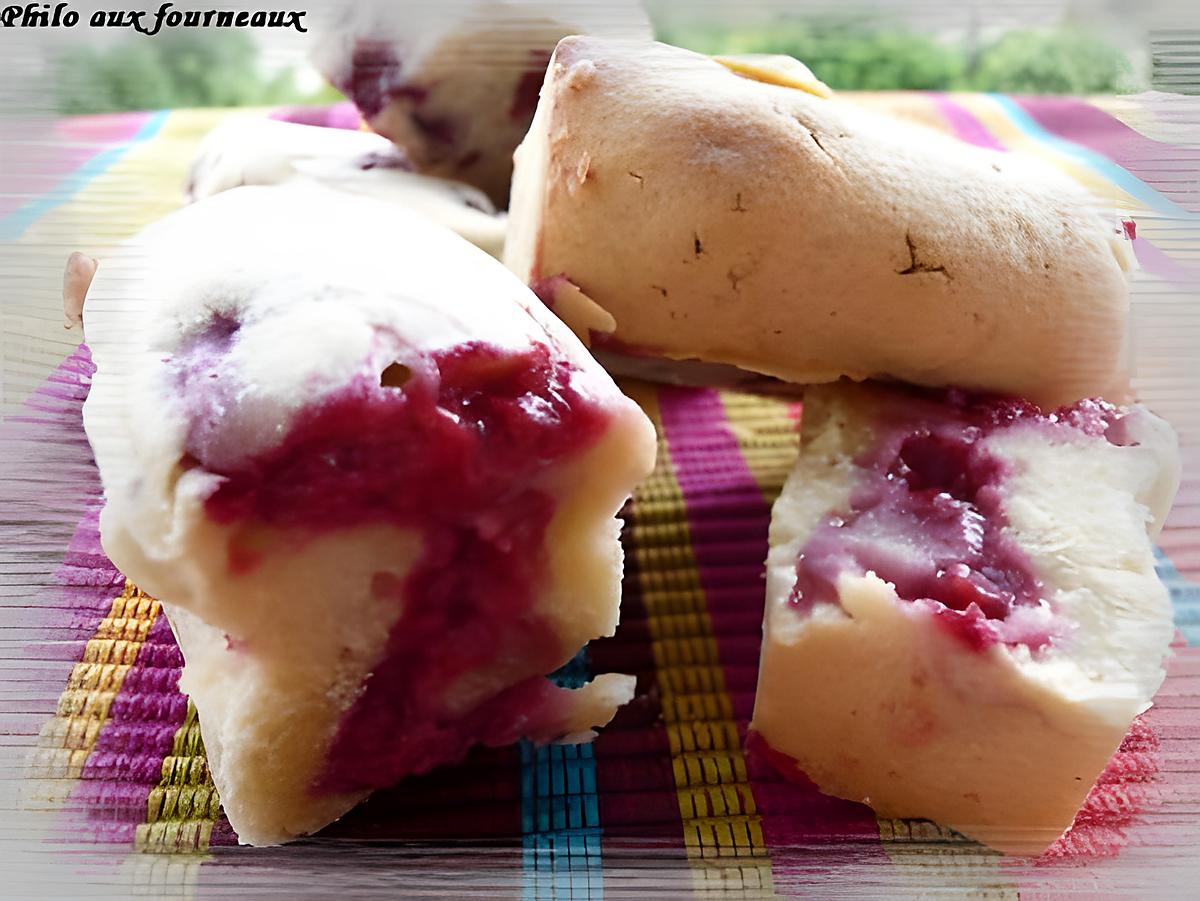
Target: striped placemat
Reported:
[(669, 798)]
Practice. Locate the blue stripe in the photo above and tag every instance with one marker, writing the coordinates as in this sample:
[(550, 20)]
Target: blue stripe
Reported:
[(560, 812), (1185, 597), (15, 223), (1097, 162)]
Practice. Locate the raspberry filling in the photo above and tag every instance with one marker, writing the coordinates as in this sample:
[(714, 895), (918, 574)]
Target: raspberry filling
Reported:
[(374, 75), (529, 87), (927, 515), (376, 78), (454, 445)]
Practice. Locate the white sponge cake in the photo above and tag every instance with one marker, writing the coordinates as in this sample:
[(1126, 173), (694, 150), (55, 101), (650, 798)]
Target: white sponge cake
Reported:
[(250, 150), (373, 482), (455, 82), (963, 616)]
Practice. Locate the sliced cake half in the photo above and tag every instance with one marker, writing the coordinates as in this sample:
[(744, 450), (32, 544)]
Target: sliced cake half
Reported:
[(455, 82), (963, 616), (373, 482)]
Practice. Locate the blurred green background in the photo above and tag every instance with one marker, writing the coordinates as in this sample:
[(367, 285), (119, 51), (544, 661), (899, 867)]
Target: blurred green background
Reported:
[(176, 69), (224, 69), (851, 56)]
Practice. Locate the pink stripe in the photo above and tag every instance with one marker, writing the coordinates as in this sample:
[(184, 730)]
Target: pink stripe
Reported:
[(339, 115), (1128, 805), (718, 487), (966, 125), (1116, 802), (107, 128), (1095, 129), (1156, 262), (969, 128)]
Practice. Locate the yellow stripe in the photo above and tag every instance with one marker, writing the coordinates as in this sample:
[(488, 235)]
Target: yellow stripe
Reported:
[(913, 106), (182, 808), (928, 854), (66, 741), (143, 186), (721, 826), (767, 436)]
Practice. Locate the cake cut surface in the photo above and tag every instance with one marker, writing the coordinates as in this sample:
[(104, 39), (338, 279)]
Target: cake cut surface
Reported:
[(963, 616), (373, 482)]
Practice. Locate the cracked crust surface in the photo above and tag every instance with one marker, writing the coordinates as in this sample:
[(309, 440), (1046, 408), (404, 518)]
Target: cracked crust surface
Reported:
[(728, 220)]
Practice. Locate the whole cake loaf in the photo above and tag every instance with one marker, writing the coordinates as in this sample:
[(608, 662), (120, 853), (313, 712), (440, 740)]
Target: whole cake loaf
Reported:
[(670, 206)]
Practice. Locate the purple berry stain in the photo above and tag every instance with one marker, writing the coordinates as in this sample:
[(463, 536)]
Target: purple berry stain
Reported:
[(927, 515)]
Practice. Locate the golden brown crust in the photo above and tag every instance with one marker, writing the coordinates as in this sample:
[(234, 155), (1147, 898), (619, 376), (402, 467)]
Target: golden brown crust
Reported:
[(731, 221)]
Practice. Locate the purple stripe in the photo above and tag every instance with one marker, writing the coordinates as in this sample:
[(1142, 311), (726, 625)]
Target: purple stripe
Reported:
[(147, 710), (711, 471), (127, 761), (1156, 262), (718, 488), (339, 115), (222, 835), (116, 773), (966, 125), (1088, 126), (85, 582)]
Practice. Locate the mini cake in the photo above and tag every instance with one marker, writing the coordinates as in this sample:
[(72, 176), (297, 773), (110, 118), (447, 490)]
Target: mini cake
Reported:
[(962, 615), (257, 151), (373, 482), (671, 206), (455, 83)]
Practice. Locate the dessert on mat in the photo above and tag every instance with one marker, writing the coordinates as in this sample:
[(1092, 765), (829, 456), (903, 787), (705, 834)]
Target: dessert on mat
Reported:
[(250, 150), (455, 83), (374, 483), (963, 616), (669, 206)]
